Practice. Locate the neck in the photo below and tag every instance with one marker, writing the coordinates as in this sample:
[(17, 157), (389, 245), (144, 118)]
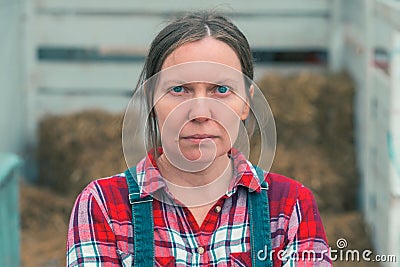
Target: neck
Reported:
[(218, 168), (197, 188)]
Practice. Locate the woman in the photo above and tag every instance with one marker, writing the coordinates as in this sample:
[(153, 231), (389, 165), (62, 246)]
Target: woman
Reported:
[(195, 200)]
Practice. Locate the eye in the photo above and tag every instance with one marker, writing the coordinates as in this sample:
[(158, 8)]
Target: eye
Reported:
[(177, 89), (223, 89)]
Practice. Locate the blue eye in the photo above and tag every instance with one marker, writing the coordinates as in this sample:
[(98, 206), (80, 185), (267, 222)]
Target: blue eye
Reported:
[(177, 89), (222, 89)]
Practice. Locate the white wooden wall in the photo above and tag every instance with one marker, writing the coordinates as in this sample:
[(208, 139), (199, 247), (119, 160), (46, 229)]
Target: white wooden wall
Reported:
[(371, 26), (384, 130), (12, 106), (128, 27)]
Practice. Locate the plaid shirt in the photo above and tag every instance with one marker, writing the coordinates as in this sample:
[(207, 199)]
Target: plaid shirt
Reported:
[(100, 230)]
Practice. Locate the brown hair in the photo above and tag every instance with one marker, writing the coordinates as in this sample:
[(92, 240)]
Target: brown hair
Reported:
[(190, 28)]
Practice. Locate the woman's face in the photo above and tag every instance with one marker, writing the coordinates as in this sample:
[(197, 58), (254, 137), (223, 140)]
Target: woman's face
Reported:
[(199, 105)]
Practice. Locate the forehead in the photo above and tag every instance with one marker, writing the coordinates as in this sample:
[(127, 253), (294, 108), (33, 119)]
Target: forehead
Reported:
[(199, 72), (207, 49)]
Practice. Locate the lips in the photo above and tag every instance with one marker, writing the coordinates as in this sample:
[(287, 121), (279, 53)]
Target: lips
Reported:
[(199, 136), (196, 138)]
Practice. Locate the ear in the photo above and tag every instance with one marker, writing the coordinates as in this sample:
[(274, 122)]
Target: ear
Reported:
[(246, 106)]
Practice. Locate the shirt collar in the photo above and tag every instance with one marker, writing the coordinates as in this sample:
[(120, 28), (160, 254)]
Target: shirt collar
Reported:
[(244, 174)]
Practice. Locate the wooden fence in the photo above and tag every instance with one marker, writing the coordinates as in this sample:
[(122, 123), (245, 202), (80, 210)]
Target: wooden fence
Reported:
[(372, 57), (88, 54), (9, 210), (12, 114), (12, 98)]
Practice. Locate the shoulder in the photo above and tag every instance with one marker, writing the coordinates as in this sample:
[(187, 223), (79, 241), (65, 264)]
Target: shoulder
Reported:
[(107, 185), (284, 193), (110, 193), (281, 185)]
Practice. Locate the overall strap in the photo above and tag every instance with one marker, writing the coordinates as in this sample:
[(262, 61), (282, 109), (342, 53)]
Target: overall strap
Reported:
[(260, 225), (142, 222)]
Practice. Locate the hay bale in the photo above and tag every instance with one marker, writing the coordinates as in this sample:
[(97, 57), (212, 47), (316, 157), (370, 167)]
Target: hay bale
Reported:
[(75, 149), (313, 115), (293, 100), (312, 167)]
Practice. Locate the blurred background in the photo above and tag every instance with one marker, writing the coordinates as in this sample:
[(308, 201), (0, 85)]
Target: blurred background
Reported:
[(330, 70)]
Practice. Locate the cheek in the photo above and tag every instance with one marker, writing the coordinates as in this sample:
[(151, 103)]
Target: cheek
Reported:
[(162, 110), (170, 119), (229, 128), (232, 114)]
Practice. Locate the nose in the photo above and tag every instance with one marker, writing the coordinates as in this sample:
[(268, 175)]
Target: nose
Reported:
[(200, 110)]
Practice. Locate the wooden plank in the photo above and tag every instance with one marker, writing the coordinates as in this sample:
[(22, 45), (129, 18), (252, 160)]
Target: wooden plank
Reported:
[(64, 104), (394, 135), (7, 4), (382, 34), (394, 229), (30, 62), (354, 25), (388, 10), (288, 33), (73, 77), (355, 38), (395, 72), (335, 54), (11, 93), (382, 234), (123, 33), (381, 109), (355, 62), (354, 13), (393, 152), (9, 216), (110, 32), (168, 7)]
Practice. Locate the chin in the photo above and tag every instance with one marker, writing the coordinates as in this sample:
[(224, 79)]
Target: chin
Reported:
[(206, 155)]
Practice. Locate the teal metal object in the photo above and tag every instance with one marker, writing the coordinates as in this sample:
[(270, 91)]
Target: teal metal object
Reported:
[(9, 210)]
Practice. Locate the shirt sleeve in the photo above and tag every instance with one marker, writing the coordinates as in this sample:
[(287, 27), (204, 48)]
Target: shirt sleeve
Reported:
[(306, 240), (91, 240)]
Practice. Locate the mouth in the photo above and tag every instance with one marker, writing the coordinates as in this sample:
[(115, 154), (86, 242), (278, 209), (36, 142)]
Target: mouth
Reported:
[(197, 138)]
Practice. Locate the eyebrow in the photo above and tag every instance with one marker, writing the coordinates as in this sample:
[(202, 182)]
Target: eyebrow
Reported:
[(182, 82), (222, 82), (169, 83)]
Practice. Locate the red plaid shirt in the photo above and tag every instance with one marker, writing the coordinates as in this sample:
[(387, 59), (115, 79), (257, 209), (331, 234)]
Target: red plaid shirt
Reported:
[(100, 231)]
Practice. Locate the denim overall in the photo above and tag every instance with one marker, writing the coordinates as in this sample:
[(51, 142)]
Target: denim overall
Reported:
[(143, 224)]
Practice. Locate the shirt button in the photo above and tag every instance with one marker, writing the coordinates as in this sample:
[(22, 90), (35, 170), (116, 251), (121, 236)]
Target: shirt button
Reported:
[(200, 250), (217, 209)]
